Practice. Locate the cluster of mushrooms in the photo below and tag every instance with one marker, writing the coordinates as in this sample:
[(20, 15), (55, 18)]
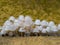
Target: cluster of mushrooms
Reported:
[(25, 26)]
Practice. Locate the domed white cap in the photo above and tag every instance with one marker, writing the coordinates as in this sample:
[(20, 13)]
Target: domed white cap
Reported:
[(28, 20), (36, 30), (54, 29), (44, 23), (3, 32), (37, 22), (51, 23), (48, 29), (58, 26), (7, 23), (16, 22), (40, 28), (0, 27), (12, 18), (22, 30), (43, 31), (21, 17)]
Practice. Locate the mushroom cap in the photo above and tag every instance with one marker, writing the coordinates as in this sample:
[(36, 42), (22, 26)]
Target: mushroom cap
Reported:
[(48, 29), (40, 28), (44, 30), (7, 23), (54, 28), (3, 32), (0, 27), (51, 23), (16, 22), (8, 26), (21, 18), (37, 22), (28, 20), (12, 18), (58, 26), (22, 30), (44, 23), (36, 30)]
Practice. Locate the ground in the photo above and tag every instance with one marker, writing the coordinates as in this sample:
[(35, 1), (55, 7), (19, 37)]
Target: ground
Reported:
[(30, 40)]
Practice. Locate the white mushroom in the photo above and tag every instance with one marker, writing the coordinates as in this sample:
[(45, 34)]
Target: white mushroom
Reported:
[(51, 23), (44, 23), (22, 31), (16, 24), (28, 24), (58, 32), (3, 32), (0, 30), (48, 29), (37, 22), (40, 28), (21, 18), (58, 26), (12, 18), (8, 25), (44, 31), (28, 20), (36, 31), (54, 29)]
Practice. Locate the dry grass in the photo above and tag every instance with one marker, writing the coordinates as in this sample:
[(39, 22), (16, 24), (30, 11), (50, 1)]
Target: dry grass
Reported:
[(30, 40)]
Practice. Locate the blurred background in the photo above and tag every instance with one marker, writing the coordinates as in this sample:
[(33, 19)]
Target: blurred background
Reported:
[(41, 9)]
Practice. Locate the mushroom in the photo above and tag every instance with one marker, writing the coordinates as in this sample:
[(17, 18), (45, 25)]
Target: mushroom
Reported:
[(44, 23), (22, 31), (44, 32), (36, 31), (37, 22), (51, 23), (54, 30)]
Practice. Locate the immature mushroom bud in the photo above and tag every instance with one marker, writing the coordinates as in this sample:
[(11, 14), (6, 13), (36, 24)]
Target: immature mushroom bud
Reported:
[(51, 23), (22, 31), (58, 26), (21, 20), (37, 22), (12, 18), (44, 23), (48, 29), (28, 20), (21, 17), (54, 30), (44, 31)]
